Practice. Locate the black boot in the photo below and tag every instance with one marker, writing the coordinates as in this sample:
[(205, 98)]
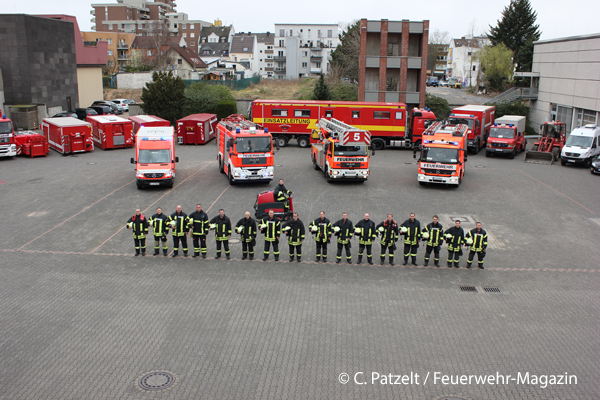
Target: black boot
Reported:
[(265, 258), (469, 265), (156, 252), (276, 258), (449, 265), (244, 257), (137, 253), (143, 252), (298, 259), (456, 265), (174, 254), (203, 255), (370, 260), (291, 259), (195, 255), (217, 256), (228, 256), (251, 257), (480, 266), (392, 261), (339, 260), (165, 253), (185, 253), (436, 263), (359, 260), (425, 263), (414, 261), (317, 259), (349, 261), (405, 261), (382, 260)]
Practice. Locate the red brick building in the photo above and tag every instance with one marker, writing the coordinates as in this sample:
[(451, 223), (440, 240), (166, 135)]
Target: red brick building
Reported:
[(393, 61), (130, 16)]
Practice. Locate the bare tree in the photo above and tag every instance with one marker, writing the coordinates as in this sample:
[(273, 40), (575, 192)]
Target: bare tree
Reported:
[(158, 31), (111, 67), (438, 47)]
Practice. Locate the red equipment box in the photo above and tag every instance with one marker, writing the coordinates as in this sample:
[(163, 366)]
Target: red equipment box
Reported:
[(68, 135), (147, 120), (196, 129), (111, 132), (31, 144)]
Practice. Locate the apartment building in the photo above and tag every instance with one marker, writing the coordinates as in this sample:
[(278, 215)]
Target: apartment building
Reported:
[(462, 62), (130, 16), (119, 46)]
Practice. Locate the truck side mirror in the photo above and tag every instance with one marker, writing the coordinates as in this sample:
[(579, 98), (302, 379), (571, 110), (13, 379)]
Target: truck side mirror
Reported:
[(176, 159), (132, 160)]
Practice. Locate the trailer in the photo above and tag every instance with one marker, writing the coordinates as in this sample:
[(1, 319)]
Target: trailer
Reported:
[(31, 144), (111, 132), (68, 135), (147, 120), (196, 129)]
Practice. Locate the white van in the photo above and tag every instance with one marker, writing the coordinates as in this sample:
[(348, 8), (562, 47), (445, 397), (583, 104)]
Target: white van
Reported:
[(581, 145)]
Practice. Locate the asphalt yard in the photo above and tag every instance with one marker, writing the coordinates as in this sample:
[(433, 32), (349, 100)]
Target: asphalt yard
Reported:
[(81, 317)]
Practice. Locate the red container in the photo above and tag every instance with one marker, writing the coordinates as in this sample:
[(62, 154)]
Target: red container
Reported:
[(31, 144), (147, 120), (196, 129), (68, 135), (111, 132)]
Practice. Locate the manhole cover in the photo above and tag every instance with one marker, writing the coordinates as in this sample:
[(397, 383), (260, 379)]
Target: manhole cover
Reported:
[(279, 165), (471, 289), (92, 163), (480, 166), (459, 218), (157, 380), (452, 398), (409, 163), (234, 241), (489, 289)]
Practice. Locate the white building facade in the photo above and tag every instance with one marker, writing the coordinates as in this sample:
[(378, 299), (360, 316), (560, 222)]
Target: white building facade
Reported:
[(461, 61)]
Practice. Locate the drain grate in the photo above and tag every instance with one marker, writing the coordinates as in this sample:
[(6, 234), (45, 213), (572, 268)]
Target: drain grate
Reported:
[(471, 289), (278, 165), (452, 398), (157, 380), (489, 289), (92, 163), (480, 166)]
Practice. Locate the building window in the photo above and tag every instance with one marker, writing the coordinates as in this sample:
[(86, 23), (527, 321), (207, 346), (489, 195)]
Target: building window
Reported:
[(110, 52), (191, 26), (282, 32), (110, 28), (318, 65), (329, 33), (585, 117), (192, 34), (192, 43), (291, 33), (245, 49), (269, 47), (474, 67), (279, 112), (305, 54), (356, 114), (149, 52), (304, 65), (109, 41), (281, 43), (179, 61), (174, 25), (328, 113), (381, 114), (301, 113), (184, 34), (182, 26)]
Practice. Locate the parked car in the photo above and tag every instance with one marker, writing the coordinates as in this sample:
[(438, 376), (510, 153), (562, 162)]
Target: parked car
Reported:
[(82, 113), (123, 103), (116, 109), (595, 167), (443, 83), (432, 81), (455, 83), (102, 109), (65, 114)]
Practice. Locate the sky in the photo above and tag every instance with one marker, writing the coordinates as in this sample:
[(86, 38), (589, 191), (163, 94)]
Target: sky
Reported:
[(556, 18)]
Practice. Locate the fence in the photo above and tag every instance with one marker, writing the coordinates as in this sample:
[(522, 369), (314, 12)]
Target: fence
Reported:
[(233, 85)]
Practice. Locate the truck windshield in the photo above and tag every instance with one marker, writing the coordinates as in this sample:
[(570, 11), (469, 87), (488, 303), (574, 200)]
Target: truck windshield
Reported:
[(340, 150), (154, 156), (579, 141), (506, 133), (255, 144), (5, 127), (441, 155), (456, 121)]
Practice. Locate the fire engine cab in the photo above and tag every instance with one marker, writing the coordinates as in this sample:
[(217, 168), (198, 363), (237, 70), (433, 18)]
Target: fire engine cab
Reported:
[(443, 154), (8, 145), (341, 151), (244, 150)]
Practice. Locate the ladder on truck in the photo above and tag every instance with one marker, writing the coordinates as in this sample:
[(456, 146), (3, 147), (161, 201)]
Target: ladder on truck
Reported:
[(346, 134), (238, 121)]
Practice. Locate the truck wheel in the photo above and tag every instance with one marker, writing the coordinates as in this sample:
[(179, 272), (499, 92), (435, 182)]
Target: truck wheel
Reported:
[(282, 140), (563, 162), (423, 183), (303, 142), (477, 146), (535, 148), (512, 155), (556, 153), (221, 168), (315, 166), (170, 185), (230, 177), (378, 144), (139, 185), (488, 153)]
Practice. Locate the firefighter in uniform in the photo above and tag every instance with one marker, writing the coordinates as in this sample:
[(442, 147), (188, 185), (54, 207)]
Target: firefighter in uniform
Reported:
[(477, 239), (179, 226), (365, 230), (281, 194), (160, 229), (455, 237), (222, 227), (294, 229), (343, 230), (198, 226), (139, 224), (246, 227), (321, 228), (411, 229), (388, 232), (270, 226), (433, 235)]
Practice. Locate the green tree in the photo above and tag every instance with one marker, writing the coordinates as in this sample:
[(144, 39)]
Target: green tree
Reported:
[(225, 108), (439, 106), (344, 92), (497, 65), (517, 30), (346, 55), (321, 91), (164, 96), (203, 98)]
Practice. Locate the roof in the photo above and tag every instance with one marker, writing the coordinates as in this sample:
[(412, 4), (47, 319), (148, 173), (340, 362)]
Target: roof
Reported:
[(190, 56), (569, 38), (474, 43), (221, 31), (242, 44), (66, 121), (216, 49), (148, 42), (268, 38)]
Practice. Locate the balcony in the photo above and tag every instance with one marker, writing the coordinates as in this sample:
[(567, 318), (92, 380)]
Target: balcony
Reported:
[(123, 57), (93, 20), (268, 69), (144, 16), (316, 58), (122, 46), (268, 51), (279, 58), (92, 12), (314, 70), (279, 69)]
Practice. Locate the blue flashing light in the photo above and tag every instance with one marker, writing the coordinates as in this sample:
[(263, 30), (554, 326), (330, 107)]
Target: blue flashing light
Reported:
[(3, 116), (511, 125), (452, 115), (472, 116), (495, 124), (237, 130), (266, 130)]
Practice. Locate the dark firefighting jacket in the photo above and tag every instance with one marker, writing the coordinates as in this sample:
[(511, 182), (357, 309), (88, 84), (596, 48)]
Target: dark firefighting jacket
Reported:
[(248, 231), (160, 224), (323, 233), (222, 227), (479, 239), (198, 223), (436, 234), (139, 225), (180, 227), (456, 239), (294, 231), (389, 233), (366, 231), (413, 233), (346, 229), (271, 228)]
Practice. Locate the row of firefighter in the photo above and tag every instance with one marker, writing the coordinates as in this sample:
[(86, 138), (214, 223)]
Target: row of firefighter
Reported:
[(198, 225)]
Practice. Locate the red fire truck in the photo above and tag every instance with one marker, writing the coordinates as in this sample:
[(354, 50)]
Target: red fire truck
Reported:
[(155, 156), (341, 151), (68, 135), (244, 150), (196, 129), (479, 119), (8, 146), (111, 132), (147, 120), (443, 154), (387, 122)]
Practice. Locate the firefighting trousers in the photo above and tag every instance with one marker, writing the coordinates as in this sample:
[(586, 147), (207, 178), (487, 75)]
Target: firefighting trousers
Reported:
[(480, 257), (199, 243), (157, 240), (247, 248), (389, 249), (225, 246), (322, 250), (348, 252), (361, 249), (453, 256), (183, 240), (297, 249), (436, 253), (140, 244), (275, 249), (410, 250)]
